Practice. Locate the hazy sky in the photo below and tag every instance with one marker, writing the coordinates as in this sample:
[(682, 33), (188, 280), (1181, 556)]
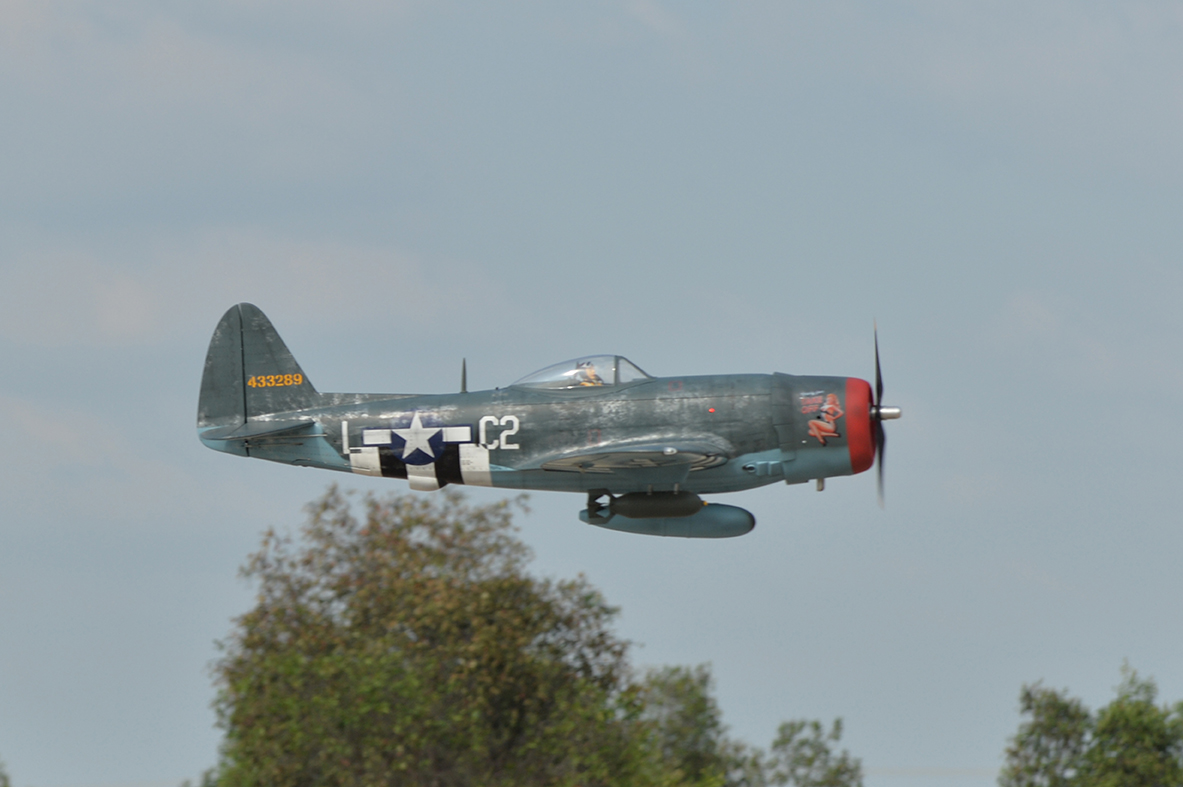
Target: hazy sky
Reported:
[(702, 187)]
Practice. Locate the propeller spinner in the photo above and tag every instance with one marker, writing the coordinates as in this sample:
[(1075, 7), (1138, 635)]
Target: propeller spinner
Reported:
[(879, 414)]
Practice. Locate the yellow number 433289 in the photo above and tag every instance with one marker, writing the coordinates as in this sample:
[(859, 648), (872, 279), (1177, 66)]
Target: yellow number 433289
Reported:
[(275, 380)]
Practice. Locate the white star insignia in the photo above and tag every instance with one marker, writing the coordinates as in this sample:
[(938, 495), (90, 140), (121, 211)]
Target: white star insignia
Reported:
[(417, 437)]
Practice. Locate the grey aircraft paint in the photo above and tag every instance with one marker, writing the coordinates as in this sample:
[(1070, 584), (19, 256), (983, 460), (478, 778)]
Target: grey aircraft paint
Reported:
[(597, 425)]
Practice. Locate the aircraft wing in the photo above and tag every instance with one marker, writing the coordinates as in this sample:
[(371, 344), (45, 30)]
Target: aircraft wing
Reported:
[(681, 454)]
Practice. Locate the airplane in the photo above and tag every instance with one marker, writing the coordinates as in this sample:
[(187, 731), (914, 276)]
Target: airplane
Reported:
[(643, 449)]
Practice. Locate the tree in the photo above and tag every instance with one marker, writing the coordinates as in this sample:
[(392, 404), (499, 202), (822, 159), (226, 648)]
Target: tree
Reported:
[(806, 760), (691, 740), (410, 647), (4, 780), (1048, 748), (1131, 742), (686, 725), (689, 735), (209, 778), (1135, 742)]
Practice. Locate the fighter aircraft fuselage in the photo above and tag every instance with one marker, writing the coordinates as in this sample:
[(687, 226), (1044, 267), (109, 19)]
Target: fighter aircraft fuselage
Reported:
[(597, 425)]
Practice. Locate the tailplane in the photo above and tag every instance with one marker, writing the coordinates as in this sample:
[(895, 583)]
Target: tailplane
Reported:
[(249, 372)]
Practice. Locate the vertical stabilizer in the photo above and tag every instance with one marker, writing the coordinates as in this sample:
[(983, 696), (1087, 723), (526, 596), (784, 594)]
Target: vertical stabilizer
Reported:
[(221, 402), (249, 372)]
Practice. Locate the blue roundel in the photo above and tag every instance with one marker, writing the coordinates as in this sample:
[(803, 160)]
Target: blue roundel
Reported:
[(422, 439)]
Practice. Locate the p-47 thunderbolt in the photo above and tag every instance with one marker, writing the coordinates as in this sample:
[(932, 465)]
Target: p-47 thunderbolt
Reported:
[(642, 448)]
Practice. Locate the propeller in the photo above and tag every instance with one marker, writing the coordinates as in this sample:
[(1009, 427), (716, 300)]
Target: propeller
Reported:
[(879, 414)]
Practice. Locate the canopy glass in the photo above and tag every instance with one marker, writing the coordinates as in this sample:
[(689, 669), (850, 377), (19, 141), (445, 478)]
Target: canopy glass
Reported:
[(588, 371)]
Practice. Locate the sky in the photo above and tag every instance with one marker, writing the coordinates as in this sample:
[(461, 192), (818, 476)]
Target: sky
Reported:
[(702, 187)]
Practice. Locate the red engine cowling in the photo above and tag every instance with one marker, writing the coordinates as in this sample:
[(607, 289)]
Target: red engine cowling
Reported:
[(860, 434)]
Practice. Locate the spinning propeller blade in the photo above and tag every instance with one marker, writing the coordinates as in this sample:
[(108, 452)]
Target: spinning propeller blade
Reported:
[(878, 372), (881, 450), (879, 414)]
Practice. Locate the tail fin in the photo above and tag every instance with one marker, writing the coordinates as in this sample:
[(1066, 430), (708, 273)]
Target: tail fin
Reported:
[(249, 372)]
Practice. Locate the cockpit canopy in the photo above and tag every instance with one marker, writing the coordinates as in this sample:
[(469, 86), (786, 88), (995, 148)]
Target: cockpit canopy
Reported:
[(590, 370)]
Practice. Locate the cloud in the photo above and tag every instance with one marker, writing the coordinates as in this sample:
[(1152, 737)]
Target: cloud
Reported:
[(294, 80), (1030, 573), (67, 297), (1029, 316), (1048, 331), (1096, 82), (1070, 338), (111, 99), (964, 490), (151, 292), (77, 462), (1049, 64), (658, 19)]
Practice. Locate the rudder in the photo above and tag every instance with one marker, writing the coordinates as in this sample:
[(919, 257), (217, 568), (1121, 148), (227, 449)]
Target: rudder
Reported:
[(250, 372)]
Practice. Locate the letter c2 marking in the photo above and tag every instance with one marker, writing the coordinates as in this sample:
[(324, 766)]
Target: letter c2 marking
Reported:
[(512, 421)]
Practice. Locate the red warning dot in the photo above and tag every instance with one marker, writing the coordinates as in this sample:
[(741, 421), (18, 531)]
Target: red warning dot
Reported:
[(710, 409)]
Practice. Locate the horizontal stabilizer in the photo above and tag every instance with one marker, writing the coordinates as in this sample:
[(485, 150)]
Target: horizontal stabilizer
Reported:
[(260, 429)]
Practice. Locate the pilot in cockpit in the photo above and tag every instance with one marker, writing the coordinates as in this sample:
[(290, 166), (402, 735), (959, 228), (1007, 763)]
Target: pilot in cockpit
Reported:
[(586, 374)]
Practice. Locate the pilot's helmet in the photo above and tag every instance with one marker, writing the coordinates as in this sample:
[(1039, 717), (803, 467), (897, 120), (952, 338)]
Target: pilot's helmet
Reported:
[(587, 373)]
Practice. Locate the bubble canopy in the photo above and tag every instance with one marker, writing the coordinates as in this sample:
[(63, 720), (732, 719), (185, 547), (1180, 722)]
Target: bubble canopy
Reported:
[(585, 372)]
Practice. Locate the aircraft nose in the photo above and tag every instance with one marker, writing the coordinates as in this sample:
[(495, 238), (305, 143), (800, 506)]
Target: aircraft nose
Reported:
[(860, 432)]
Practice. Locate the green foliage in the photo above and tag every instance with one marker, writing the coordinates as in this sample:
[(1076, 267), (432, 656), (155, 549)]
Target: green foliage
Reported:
[(688, 735), (410, 647), (209, 778), (802, 756), (686, 729), (1048, 749), (1135, 742), (407, 645), (1131, 742), (4, 780)]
